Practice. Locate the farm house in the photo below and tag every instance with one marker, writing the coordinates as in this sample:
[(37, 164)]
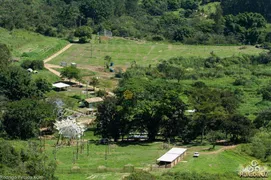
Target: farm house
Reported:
[(172, 157)]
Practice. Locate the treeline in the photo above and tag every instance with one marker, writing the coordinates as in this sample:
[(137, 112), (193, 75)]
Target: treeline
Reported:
[(241, 6), (23, 111), (26, 163), (174, 20)]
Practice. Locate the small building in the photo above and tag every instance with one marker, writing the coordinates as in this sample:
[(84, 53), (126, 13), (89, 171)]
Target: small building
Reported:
[(93, 102), (73, 64), (63, 64), (61, 86), (172, 157)]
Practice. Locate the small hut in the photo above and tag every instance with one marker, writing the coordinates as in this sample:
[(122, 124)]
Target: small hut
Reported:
[(172, 157), (92, 104)]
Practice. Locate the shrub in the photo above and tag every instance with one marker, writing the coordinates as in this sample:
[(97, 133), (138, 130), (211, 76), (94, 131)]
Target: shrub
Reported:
[(142, 175), (83, 39), (101, 93), (35, 64), (158, 38), (26, 64), (241, 81), (83, 31), (263, 58), (266, 93)]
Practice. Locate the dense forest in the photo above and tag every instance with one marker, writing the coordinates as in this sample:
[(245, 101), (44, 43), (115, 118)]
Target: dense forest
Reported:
[(187, 21)]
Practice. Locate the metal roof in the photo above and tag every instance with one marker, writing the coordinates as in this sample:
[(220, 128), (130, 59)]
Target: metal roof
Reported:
[(172, 154), (94, 100)]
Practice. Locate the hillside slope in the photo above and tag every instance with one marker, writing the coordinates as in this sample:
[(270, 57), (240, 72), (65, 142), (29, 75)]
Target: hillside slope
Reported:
[(28, 45)]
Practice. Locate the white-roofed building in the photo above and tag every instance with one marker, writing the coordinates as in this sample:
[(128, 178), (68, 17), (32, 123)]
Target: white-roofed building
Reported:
[(172, 157), (60, 85)]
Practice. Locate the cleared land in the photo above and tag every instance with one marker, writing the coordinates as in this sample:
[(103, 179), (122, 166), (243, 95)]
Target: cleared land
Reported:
[(28, 45), (124, 52), (140, 155)]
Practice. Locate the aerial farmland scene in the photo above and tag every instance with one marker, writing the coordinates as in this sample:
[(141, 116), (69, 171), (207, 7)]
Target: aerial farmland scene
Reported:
[(135, 89)]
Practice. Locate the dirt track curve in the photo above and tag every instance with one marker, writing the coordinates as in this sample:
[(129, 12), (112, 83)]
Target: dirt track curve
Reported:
[(220, 150), (50, 66)]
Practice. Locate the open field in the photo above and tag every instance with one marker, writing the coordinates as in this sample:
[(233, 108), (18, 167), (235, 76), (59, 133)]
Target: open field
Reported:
[(28, 45), (45, 74), (124, 52), (140, 155)]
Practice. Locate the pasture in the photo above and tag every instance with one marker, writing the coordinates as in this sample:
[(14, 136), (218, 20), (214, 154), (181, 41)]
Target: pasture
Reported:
[(124, 52), (141, 155), (28, 45)]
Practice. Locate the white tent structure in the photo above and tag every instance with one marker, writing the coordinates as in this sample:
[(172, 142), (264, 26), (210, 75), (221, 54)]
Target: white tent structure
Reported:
[(61, 85)]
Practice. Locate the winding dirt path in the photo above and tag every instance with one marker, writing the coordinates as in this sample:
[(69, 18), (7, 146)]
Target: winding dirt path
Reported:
[(57, 53), (220, 150), (51, 66)]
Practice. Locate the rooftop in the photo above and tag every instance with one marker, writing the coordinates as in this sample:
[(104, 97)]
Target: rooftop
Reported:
[(94, 100), (172, 154)]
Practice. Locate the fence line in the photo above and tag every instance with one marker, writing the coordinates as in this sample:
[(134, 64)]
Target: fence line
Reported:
[(103, 169)]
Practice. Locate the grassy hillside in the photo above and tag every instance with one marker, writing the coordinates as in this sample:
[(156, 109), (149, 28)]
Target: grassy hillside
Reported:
[(28, 45), (124, 52)]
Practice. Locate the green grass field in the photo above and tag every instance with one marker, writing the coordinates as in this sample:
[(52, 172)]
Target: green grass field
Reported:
[(124, 52), (140, 155), (45, 74), (28, 45)]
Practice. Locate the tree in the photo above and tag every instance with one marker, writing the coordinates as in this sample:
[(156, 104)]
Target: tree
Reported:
[(266, 92), (107, 125), (70, 73), (171, 70), (22, 119), (43, 86), (146, 117), (35, 64), (263, 119), (219, 20), (171, 112), (155, 7), (260, 146), (83, 32), (183, 32), (213, 136), (16, 83), (239, 127), (97, 10), (25, 161), (5, 56), (107, 60), (240, 6), (94, 82), (213, 107), (151, 107)]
